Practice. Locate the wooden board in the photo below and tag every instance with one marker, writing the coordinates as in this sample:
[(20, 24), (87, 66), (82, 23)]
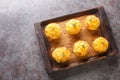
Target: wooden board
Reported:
[(47, 46)]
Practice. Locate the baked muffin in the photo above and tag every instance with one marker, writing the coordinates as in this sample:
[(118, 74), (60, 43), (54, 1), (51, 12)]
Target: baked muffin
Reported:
[(100, 44), (53, 31), (73, 26), (81, 48), (92, 22), (61, 54)]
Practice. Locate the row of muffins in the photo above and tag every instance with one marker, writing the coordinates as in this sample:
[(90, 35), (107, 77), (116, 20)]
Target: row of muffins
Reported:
[(80, 48), (53, 30)]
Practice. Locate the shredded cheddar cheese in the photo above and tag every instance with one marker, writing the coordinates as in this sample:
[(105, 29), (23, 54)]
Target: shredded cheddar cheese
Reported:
[(61, 54), (53, 31), (92, 22), (81, 48), (100, 44), (73, 26)]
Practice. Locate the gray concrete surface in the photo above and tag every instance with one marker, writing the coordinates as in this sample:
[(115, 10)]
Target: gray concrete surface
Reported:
[(20, 57)]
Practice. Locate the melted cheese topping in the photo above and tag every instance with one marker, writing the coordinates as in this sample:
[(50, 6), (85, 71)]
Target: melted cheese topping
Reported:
[(61, 54), (73, 26), (100, 44), (92, 22), (81, 48), (53, 31)]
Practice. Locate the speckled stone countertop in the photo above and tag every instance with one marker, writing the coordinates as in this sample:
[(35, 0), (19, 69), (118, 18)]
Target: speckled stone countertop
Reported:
[(20, 57)]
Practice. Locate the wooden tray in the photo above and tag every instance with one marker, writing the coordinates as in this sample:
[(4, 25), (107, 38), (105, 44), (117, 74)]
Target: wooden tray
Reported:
[(47, 46)]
